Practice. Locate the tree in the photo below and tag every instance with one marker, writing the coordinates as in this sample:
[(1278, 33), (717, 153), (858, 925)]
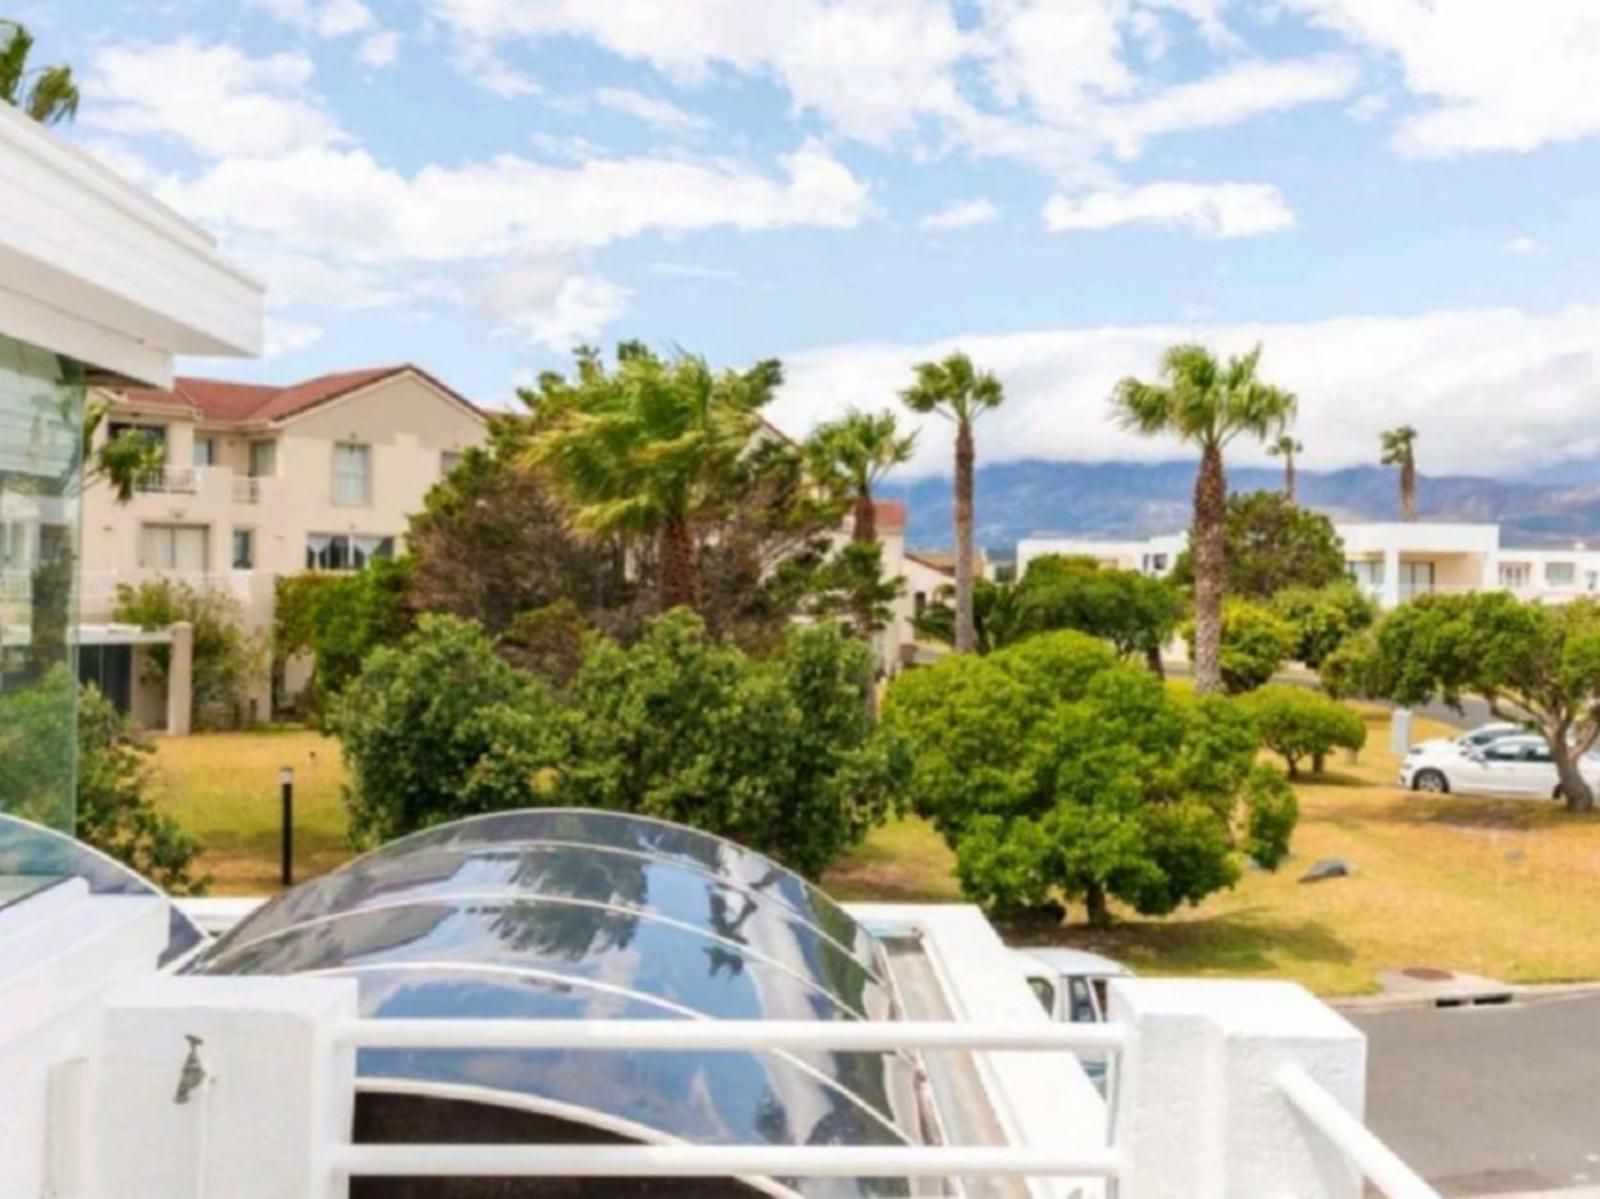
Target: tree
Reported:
[(960, 393), (1207, 404), (999, 618), (1298, 723), (1399, 449), (339, 619), (853, 454), (1533, 664), (226, 654), (48, 95), (1323, 618), (439, 727), (1270, 544), (1287, 448), (1256, 642), (651, 448), (1058, 774), (1135, 613)]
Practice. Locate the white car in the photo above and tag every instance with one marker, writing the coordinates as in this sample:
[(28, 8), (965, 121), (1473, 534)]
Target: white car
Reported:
[(1478, 738), (1071, 984), (1516, 765)]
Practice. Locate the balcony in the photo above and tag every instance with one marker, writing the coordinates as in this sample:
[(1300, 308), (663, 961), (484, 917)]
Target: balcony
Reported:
[(169, 480), (201, 493)]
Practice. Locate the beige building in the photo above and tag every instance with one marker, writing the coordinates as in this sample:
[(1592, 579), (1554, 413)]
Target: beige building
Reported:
[(263, 481)]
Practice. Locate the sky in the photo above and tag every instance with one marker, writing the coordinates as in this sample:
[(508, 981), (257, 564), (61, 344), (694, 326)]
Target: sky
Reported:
[(1397, 198)]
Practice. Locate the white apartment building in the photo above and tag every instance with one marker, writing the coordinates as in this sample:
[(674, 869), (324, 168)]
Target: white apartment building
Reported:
[(263, 481), (1393, 561)]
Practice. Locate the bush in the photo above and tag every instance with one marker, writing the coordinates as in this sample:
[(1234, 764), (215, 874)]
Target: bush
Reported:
[(1256, 642), (441, 727), (339, 619), (1323, 618), (1298, 723), (1057, 774), (1272, 810), (1135, 613), (226, 655)]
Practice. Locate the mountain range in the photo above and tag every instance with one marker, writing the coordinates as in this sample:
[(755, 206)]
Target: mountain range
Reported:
[(1140, 499)]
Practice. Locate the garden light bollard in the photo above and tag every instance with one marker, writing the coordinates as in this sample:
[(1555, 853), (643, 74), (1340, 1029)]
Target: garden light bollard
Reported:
[(286, 789)]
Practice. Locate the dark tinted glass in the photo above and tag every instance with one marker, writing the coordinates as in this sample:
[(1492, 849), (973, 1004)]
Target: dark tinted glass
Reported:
[(738, 915)]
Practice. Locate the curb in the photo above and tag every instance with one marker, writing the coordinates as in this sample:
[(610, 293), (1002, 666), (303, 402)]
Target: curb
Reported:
[(1519, 992)]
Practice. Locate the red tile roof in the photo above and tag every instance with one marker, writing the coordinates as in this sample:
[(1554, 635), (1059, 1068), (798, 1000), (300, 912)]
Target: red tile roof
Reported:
[(224, 402), (891, 516)]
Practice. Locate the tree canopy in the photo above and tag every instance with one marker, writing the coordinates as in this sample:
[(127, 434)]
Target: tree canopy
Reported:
[(1271, 543), (1059, 775), (48, 95)]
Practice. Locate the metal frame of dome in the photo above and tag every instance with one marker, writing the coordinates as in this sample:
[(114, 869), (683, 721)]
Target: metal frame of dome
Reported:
[(592, 915), (20, 842)]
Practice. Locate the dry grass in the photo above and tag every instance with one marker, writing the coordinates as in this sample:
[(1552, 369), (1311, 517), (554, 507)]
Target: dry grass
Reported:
[(223, 787), (1510, 889)]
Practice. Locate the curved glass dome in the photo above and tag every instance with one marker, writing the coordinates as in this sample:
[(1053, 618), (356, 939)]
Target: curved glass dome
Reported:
[(24, 846), (583, 915)]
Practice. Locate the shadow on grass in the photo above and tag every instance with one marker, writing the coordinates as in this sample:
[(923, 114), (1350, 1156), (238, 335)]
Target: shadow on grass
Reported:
[(1244, 942)]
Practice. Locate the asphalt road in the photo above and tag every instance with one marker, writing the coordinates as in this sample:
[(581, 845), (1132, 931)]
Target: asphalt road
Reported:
[(1490, 1100)]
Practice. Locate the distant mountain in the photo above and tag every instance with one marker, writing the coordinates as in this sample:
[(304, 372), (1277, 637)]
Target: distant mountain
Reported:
[(1137, 499)]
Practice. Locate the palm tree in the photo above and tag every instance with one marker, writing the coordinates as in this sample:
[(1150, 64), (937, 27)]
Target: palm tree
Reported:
[(959, 392), (853, 454), (1399, 449), (650, 449), (1207, 404), (1286, 447), (47, 94), (1001, 617)]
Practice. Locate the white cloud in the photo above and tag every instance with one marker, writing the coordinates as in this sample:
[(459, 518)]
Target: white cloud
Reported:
[(552, 306), (1496, 76), (284, 337), (1221, 210), (660, 114), (963, 214), (322, 18), (692, 270), (213, 98), (296, 279), (1524, 244), (1452, 374), (379, 50), (345, 202)]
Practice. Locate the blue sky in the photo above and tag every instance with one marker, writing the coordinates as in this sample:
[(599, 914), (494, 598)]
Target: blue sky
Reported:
[(1398, 197)]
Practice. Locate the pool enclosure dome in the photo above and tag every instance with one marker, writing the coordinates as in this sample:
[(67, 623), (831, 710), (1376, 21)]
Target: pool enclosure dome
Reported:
[(594, 915)]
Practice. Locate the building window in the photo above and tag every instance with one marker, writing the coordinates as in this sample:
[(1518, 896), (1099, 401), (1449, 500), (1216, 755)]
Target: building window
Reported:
[(263, 459), (175, 547), (205, 451), (341, 551), (244, 549), (1514, 574), (1560, 574), (350, 474), (1366, 574), (1416, 578), (448, 461)]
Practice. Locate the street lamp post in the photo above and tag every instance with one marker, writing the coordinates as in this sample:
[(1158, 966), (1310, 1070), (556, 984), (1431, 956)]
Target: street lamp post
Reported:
[(286, 788)]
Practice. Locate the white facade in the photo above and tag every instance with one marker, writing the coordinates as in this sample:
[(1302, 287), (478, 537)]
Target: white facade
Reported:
[(1393, 561)]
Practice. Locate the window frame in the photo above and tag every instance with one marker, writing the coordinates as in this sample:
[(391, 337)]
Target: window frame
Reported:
[(337, 495), (171, 529), (249, 535)]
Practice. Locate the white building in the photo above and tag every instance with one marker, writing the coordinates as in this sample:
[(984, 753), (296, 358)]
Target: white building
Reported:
[(1393, 561)]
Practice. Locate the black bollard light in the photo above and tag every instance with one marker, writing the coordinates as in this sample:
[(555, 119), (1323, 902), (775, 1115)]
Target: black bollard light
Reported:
[(286, 787)]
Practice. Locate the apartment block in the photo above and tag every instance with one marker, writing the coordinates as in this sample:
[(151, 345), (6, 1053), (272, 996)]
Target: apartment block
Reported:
[(263, 481)]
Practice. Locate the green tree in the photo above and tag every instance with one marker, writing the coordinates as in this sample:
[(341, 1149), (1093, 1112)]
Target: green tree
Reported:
[(48, 95), (226, 654), (339, 619), (1256, 642), (1533, 664), (1058, 775), (1298, 723), (960, 393), (1287, 448), (999, 617), (1270, 544), (1134, 612), (1323, 618), (439, 727), (651, 448), (1207, 404), (1399, 446), (852, 454)]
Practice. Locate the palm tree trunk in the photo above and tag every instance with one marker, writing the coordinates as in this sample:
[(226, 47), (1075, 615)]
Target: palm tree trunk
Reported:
[(1408, 489), (1288, 477), (966, 635), (866, 517), (1210, 513), (678, 582)]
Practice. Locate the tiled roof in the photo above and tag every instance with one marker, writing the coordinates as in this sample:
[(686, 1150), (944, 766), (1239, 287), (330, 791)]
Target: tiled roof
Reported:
[(891, 516), (225, 402)]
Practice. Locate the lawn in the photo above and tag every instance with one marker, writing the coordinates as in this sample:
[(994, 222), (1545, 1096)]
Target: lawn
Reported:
[(223, 787), (1510, 889)]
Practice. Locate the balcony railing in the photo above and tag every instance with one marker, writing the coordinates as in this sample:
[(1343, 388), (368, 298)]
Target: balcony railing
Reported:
[(246, 489), (169, 480)]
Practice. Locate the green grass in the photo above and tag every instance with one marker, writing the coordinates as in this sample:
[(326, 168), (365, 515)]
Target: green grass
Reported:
[(223, 787)]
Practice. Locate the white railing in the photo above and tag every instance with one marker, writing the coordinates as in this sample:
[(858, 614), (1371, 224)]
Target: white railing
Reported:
[(169, 480), (1379, 1164), (246, 489), (704, 1161)]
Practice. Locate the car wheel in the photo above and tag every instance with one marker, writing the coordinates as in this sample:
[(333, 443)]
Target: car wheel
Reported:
[(1431, 781)]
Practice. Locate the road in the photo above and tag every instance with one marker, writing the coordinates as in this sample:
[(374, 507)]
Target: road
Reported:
[(1490, 1100)]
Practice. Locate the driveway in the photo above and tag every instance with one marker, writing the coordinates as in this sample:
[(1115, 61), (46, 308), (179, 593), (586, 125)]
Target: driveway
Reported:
[(1490, 1100)]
